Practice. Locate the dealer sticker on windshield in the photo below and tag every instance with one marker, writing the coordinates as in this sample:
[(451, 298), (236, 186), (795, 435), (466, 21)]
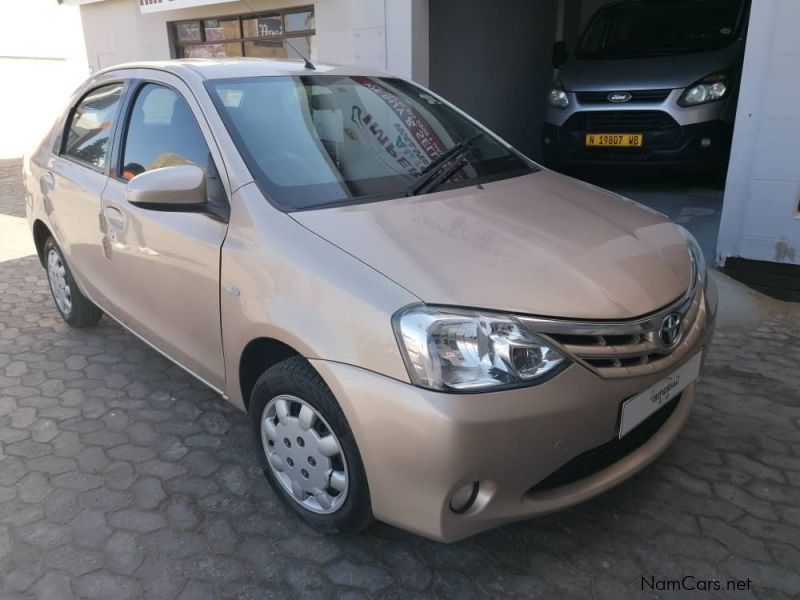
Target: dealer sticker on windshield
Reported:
[(637, 409)]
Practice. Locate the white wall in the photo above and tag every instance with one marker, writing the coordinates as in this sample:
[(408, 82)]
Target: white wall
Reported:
[(42, 60), (760, 215), (117, 32), (390, 35), (384, 34)]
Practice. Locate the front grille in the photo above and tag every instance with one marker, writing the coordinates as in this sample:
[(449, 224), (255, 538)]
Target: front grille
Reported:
[(623, 348), (605, 455), (653, 96), (624, 121)]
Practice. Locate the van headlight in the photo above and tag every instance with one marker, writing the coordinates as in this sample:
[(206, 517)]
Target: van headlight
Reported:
[(699, 265), (710, 89), (558, 97), (469, 351)]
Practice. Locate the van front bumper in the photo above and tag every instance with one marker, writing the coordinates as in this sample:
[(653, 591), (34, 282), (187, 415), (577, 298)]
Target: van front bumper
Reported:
[(420, 446), (704, 145)]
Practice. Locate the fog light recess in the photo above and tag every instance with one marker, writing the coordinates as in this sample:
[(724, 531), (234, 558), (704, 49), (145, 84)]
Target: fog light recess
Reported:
[(464, 497)]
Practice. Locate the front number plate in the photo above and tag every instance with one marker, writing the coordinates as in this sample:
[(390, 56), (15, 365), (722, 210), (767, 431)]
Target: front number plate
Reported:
[(637, 409), (615, 140)]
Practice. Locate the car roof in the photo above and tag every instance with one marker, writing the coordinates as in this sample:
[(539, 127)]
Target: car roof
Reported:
[(232, 68)]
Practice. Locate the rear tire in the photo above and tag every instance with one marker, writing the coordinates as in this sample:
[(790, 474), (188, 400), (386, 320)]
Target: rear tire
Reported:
[(292, 409), (75, 308)]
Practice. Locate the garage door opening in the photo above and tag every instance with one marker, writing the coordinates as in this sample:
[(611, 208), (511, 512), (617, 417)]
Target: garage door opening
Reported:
[(637, 96)]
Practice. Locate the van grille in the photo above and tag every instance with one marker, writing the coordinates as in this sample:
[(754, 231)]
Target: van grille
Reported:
[(624, 121), (636, 96)]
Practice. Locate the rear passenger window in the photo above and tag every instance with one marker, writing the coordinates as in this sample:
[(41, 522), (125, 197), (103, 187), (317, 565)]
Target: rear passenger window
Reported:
[(162, 133), (91, 124)]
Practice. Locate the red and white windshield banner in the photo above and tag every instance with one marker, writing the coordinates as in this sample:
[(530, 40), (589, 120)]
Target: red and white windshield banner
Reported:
[(151, 6)]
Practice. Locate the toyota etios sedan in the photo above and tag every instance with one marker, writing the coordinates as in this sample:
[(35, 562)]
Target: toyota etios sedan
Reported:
[(425, 326)]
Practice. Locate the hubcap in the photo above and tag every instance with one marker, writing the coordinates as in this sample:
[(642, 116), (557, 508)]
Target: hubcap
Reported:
[(56, 274), (304, 454)]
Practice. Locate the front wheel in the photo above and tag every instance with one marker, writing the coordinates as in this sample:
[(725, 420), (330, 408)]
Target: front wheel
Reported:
[(75, 308), (307, 450)]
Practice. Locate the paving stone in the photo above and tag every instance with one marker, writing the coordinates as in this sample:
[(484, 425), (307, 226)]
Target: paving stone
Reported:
[(33, 488), (44, 534), (21, 579), (182, 514), (366, 577), (123, 554), (222, 538), (148, 492), (137, 520), (101, 586), (53, 586), (160, 579)]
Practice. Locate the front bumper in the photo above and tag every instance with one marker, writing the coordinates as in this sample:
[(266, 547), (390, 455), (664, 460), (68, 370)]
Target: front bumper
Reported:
[(418, 446), (701, 145)]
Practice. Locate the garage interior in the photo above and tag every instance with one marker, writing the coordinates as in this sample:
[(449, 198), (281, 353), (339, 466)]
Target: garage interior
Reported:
[(504, 60)]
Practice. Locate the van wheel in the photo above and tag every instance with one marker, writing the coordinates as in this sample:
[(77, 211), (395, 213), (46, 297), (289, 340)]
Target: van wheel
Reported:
[(75, 308), (307, 450)]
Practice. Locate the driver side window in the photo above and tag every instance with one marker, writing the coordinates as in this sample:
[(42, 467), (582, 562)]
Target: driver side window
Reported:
[(163, 132)]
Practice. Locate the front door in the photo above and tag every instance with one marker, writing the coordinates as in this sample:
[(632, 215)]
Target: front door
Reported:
[(165, 265)]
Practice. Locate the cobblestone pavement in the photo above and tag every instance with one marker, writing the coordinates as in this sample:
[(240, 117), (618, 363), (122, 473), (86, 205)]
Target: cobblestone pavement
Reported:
[(11, 188), (122, 477)]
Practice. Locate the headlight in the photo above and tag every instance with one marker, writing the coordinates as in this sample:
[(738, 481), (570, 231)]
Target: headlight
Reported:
[(712, 88), (558, 98), (699, 266), (467, 351)]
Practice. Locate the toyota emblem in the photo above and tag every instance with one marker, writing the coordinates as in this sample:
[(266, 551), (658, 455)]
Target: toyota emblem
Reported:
[(671, 330)]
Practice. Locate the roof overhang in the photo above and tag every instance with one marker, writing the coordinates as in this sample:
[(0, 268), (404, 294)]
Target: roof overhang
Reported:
[(151, 6), (78, 2)]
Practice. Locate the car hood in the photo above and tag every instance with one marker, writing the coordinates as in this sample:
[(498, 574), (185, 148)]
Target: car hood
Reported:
[(541, 244), (655, 72)]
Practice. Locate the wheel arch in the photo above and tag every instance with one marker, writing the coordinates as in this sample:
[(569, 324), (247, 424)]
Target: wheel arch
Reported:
[(259, 355), (40, 234)]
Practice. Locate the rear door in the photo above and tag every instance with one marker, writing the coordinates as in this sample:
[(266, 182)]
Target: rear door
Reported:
[(74, 178), (163, 267)]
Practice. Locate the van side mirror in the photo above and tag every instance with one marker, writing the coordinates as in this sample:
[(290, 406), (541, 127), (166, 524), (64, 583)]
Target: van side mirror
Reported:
[(560, 54), (178, 188)]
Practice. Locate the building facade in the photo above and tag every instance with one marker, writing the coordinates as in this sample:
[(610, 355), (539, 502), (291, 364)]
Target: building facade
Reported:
[(493, 60)]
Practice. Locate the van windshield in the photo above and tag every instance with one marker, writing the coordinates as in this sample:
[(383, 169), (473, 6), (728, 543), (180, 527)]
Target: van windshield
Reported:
[(317, 140), (658, 28)]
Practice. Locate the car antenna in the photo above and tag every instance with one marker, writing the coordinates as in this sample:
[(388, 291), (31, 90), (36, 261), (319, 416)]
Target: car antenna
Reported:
[(309, 65)]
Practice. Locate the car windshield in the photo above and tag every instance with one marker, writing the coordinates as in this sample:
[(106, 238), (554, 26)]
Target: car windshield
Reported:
[(653, 28), (318, 140)]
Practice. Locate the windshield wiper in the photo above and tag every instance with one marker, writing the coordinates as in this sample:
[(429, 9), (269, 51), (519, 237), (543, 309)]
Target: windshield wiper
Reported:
[(442, 167)]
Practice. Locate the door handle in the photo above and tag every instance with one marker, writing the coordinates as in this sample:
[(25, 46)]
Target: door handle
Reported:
[(114, 217)]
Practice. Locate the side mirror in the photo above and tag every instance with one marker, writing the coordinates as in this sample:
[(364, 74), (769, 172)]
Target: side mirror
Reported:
[(176, 188), (560, 54)]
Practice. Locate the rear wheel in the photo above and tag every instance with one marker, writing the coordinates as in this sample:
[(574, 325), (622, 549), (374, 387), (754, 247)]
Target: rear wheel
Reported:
[(75, 308), (307, 450)]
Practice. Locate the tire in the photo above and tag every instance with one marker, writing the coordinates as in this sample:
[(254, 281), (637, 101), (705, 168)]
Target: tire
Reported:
[(75, 308), (295, 382)]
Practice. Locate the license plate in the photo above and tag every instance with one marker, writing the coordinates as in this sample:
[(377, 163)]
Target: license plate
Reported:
[(616, 140), (637, 409)]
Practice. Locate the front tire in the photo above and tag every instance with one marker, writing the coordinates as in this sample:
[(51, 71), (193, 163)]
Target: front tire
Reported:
[(75, 308), (307, 450)]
